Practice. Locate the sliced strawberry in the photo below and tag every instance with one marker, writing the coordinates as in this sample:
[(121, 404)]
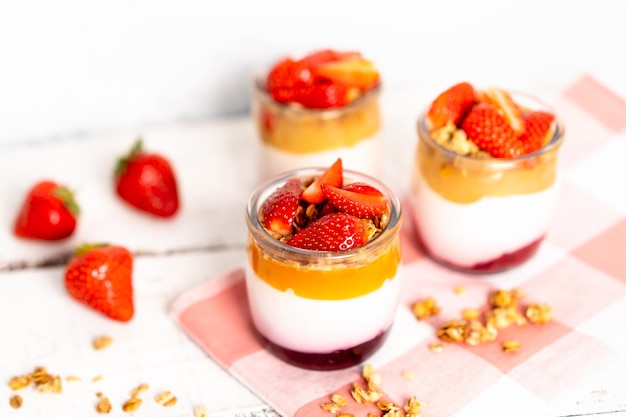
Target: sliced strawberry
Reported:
[(286, 78), (332, 176), (538, 126), (362, 188), (327, 209), (451, 105), (353, 72), (323, 94), (328, 55), (365, 206), (335, 232), (503, 101), (279, 209), (490, 131)]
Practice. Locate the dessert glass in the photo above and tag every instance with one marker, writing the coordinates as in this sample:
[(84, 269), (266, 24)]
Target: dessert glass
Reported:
[(317, 309), (293, 136), (483, 214)]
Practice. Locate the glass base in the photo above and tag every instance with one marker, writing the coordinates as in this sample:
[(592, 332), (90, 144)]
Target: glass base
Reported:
[(499, 264), (339, 359)]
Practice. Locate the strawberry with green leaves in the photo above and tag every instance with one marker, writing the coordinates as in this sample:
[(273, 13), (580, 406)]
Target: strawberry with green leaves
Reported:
[(334, 232), (146, 180), (100, 276), (49, 212)]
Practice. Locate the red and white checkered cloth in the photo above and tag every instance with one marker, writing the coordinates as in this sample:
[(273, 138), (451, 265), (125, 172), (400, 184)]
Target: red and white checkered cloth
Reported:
[(580, 271)]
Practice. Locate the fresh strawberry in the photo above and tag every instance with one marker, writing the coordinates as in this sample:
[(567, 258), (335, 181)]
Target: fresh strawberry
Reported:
[(503, 101), (490, 131), (100, 276), (335, 232), (328, 55), (537, 127), (279, 210), (49, 212), (365, 206), (353, 72), (362, 188), (147, 181), (287, 78), (323, 94), (451, 105), (332, 176)]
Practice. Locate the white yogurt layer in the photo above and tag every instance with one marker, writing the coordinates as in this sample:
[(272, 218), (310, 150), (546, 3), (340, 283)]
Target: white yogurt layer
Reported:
[(320, 326), (468, 234), (364, 157)]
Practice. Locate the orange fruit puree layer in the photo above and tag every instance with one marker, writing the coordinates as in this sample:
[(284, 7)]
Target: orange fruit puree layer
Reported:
[(463, 180), (334, 283), (298, 130)]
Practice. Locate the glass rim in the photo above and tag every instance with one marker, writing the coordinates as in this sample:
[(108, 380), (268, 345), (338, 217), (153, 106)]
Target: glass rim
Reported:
[(266, 188), (502, 163)]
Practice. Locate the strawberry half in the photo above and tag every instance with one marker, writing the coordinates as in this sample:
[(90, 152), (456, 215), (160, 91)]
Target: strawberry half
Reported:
[(451, 105), (332, 176), (365, 206), (49, 212), (489, 130), (279, 209), (538, 126), (335, 232), (353, 72), (100, 276), (323, 94), (503, 101), (286, 78), (147, 182), (362, 188)]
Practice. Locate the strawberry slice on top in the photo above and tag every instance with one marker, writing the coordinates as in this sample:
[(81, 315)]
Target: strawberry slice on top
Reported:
[(335, 232), (332, 176), (365, 206), (490, 131), (538, 126), (503, 101), (451, 105), (362, 188), (279, 209)]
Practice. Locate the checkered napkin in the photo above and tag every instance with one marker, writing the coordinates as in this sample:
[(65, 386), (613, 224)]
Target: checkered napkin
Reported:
[(580, 271)]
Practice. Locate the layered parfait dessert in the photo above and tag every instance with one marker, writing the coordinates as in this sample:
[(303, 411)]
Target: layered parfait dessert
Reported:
[(310, 110), (484, 185), (323, 261)]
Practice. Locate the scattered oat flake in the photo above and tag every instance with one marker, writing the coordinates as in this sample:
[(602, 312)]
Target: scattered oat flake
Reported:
[(330, 407), (511, 346), (99, 394), (538, 313), (436, 346), (104, 406), (132, 404), (19, 382), (166, 399), (338, 399), (201, 411), (97, 378), (409, 376), (346, 415), (459, 290), (16, 401), (72, 378), (101, 342), (141, 388), (413, 407), (470, 313)]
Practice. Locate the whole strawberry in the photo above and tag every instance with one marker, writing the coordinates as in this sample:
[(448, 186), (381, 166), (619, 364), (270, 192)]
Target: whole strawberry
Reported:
[(100, 276), (49, 212), (147, 181)]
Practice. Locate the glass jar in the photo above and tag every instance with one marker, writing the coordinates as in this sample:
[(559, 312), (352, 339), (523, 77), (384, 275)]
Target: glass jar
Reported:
[(483, 214), (293, 136), (316, 309)]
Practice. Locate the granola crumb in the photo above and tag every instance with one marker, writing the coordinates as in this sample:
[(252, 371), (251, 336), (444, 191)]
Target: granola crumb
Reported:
[(408, 376), (72, 378), (459, 290), (166, 399), (132, 404), (201, 411), (435, 347), (104, 405), (538, 313), (97, 378), (19, 382), (511, 346), (101, 342), (16, 401), (139, 389), (99, 394), (425, 308)]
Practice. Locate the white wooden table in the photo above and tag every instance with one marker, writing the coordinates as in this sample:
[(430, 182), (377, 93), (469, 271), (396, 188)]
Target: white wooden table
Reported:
[(216, 166)]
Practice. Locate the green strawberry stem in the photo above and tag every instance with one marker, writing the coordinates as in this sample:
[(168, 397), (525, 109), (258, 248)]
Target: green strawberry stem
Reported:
[(86, 247), (67, 197), (135, 150)]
